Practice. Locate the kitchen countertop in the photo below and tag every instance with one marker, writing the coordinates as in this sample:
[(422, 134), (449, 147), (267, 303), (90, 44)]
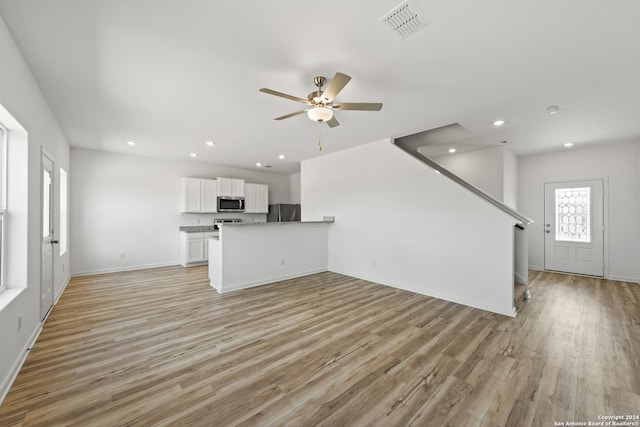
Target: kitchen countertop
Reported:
[(197, 228), (243, 224)]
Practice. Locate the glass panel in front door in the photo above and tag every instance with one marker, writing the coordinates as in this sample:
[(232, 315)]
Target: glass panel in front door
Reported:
[(46, 204), (573, 214)]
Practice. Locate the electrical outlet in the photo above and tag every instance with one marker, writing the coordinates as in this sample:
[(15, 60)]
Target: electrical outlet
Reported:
[(121, 255), (281, 261), (19, 322)]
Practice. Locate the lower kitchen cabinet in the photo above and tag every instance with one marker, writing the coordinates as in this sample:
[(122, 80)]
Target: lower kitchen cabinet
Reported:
[(194, 248)]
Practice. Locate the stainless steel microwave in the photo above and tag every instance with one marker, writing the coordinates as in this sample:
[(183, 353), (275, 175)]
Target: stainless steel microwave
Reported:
[(230, 204)]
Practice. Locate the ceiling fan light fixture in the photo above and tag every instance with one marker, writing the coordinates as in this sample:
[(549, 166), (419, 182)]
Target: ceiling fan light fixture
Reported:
[(320, 114)]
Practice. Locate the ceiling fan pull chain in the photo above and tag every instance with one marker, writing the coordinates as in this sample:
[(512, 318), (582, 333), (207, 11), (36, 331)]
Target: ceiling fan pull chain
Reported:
[(319, 138)]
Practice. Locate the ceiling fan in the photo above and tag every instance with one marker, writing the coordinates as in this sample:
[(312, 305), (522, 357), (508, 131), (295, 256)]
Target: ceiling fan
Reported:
[(321, 102)]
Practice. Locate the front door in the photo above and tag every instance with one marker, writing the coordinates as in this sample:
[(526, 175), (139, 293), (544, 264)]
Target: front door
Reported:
[(46, 266), (574, 227)]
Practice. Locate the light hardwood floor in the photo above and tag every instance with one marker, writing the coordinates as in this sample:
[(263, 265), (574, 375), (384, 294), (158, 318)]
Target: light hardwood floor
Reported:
[(160, 347)]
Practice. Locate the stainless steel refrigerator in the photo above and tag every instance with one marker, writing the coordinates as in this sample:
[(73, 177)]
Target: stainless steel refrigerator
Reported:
[(283, 212)]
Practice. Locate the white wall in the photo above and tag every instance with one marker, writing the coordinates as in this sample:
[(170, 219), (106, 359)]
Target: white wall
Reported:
[(510, 178), (400, 224), (294, 186), (617, 162), (483, 168), (123, 204), (21, 97), (493, 170)]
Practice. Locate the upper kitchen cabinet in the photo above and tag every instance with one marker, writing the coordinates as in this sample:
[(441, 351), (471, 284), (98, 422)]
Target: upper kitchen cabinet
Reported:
[(199, 195), (209, 195), (230, 187), (256, 198)]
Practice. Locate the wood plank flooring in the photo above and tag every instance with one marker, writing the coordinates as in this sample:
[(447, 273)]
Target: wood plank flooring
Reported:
[(160, 347)]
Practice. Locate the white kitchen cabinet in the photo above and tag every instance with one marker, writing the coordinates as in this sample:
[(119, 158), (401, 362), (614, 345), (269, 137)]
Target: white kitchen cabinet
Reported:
[(262, 198), (199, 195), (250, 198), (209, 196), (256, 198), (194, 248), (191, 194), (230, 187)]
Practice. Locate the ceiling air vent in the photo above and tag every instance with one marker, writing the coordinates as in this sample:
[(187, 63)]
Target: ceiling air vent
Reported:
[(406, 19)]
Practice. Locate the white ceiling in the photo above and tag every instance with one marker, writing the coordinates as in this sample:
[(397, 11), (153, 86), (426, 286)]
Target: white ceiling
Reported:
[(172, 74)]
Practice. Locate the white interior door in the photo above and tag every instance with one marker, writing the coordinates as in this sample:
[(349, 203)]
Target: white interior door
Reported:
[(46, 266), (574, 227)]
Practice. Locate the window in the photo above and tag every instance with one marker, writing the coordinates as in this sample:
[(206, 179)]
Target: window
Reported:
[(64, 219), (14, 205), (3, 199), (46, 203), (573, 214)]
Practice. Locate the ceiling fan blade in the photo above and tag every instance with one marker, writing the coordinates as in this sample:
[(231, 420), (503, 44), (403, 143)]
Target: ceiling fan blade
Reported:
[(284, 95), (290, 115), (337, 83), (333, 122), (362, 106)]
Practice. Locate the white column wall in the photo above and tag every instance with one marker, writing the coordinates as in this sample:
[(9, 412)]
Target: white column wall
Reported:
[(401, 224)]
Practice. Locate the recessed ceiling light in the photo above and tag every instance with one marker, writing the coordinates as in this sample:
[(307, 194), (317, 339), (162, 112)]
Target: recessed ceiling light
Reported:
[(131, 143), (452, 150), (552, 109), (281, 157), (258, 164), (210, 143), (568, 144), (499, 122), (193, 154)]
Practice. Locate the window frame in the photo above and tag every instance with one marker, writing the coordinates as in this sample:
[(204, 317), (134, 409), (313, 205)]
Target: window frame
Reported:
[(63, 217), (3, 205)]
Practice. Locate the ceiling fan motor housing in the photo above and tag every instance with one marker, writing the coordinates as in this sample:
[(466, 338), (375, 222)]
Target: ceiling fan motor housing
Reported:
[(315, 97)]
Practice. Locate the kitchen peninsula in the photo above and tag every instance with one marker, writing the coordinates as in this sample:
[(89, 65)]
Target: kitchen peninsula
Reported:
[(252, 254)]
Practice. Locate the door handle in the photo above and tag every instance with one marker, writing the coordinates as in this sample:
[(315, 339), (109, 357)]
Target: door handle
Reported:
[(547, 231), (53, 242)]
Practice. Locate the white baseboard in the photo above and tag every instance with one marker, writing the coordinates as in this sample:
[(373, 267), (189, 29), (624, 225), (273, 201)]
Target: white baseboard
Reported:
[(274, 279), (127, 268), (623, 279), (7, 382), (609, 276)]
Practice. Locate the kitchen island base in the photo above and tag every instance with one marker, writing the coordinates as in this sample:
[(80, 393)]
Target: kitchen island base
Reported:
[(254, 254)]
